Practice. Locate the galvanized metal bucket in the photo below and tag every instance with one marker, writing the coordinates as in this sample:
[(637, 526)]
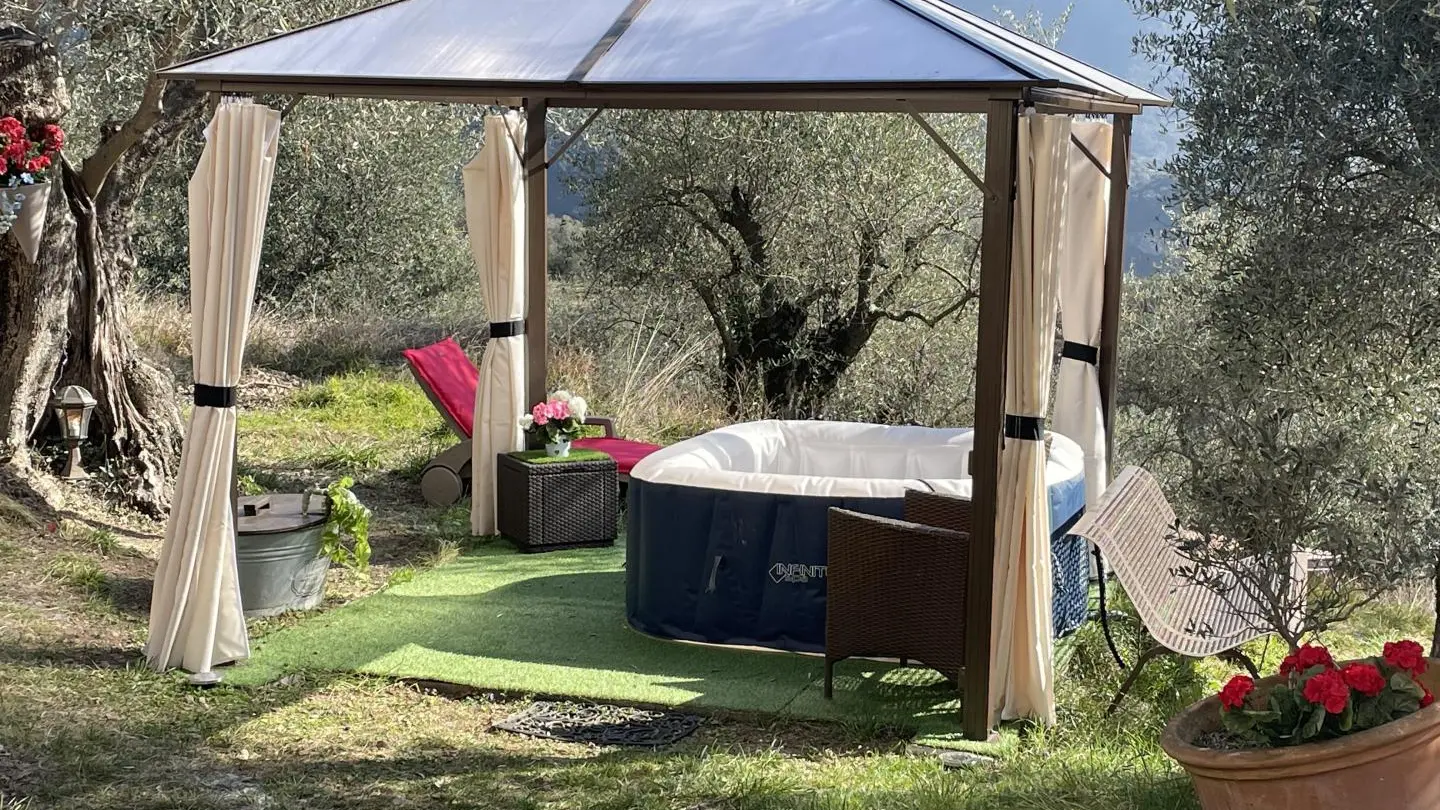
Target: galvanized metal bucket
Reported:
[(277, 551)]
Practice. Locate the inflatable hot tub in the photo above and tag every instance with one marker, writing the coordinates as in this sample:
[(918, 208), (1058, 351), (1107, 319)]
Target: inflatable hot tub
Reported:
[(726, 539)]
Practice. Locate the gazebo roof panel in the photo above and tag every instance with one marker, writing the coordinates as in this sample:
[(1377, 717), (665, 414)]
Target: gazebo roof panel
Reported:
[(782, 52), (792, 41), (429, 40), (1037, 59)]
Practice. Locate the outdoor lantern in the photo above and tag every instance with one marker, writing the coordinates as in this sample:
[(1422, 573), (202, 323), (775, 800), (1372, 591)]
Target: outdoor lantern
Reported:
[(73, 407)]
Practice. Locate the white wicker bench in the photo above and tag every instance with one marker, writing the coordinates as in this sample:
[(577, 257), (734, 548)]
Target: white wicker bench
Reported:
[(1135, 529)]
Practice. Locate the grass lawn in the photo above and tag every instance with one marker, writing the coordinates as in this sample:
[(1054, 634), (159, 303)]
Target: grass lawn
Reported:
[(82, 724)]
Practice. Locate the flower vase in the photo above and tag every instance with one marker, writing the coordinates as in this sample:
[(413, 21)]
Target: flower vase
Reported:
[(31, 204), (560, 449)]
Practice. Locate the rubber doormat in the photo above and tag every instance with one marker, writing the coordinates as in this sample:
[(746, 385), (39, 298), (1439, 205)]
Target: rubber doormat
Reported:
[(600, 725)]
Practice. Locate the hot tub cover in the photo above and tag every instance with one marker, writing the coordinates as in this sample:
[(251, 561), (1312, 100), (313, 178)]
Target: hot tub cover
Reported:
[(727, 531)]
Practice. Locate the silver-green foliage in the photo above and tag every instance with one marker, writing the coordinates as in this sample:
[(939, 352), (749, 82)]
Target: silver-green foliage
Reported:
[(1290, 374), (367, 212), (366, 207)]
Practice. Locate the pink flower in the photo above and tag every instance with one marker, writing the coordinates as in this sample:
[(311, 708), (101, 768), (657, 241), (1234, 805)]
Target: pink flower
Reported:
[(541, 414), (559, 409)]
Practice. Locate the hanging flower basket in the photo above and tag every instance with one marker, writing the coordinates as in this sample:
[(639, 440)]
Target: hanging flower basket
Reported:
[(10, 200), (27, 159), (30, 210)]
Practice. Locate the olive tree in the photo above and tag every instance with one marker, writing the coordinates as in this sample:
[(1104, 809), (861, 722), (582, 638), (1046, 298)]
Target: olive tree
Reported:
[(1293, 366), (366, 212), (366, 204), (90, 67), (796, 236)]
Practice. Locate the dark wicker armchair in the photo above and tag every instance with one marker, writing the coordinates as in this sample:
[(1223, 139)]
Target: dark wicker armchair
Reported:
[(896, 589)]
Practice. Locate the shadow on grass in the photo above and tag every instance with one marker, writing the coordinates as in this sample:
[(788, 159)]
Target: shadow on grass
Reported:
[(129, 595), (82, 655)]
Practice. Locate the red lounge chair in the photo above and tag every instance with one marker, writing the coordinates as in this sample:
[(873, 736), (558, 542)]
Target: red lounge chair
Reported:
[(450, 380)]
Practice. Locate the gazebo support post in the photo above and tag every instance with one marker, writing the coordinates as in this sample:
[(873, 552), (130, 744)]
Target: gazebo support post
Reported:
[(1114, 277), (995, 261), (537, 257)]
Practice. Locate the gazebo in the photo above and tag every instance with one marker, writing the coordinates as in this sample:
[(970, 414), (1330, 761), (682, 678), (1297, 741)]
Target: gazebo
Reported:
[(1054, 187)]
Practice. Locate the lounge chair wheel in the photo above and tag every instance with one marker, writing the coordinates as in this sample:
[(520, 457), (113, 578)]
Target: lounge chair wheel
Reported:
[(441, 486)]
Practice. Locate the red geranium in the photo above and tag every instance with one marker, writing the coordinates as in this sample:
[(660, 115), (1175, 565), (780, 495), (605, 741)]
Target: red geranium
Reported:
[(53, 136), (11, 129), (1306, 657), (1406, 655), (1364, 678), (1427, 698), (1328, 689), (25, 159), (1234, 694)]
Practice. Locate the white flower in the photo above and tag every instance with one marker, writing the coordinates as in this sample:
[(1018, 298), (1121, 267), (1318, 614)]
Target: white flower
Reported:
[(526, 422), (579, 408), (561, 396)]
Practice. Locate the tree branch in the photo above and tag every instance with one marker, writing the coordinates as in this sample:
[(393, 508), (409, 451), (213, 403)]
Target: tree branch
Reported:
[(96, 168), (928, 320)]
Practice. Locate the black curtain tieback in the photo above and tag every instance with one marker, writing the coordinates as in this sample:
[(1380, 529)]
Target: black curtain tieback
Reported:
[(1024, 428), (214, 396), (506, 329), (1081, 352)]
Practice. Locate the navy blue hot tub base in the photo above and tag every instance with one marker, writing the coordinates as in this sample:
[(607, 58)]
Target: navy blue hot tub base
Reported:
[(749, 568)]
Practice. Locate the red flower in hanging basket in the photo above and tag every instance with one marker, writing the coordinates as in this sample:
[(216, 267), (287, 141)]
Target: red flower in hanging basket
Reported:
[(11, 129), (53, 137), (26, 158), (1406, 655)]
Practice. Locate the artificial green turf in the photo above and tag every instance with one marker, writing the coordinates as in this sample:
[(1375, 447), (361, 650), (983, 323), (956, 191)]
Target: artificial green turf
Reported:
[(554, 624), (576, 454)]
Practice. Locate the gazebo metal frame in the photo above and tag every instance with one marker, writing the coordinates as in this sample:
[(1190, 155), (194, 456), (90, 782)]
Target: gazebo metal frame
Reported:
[(1000, 102)]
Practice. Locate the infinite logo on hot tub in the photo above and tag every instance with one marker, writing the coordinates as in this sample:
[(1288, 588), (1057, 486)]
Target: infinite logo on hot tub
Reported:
[(796, 572)]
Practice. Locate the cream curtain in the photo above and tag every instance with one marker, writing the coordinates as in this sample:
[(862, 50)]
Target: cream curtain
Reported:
[(196, 621), (1022, 676), (1078, 412), (495, 214)]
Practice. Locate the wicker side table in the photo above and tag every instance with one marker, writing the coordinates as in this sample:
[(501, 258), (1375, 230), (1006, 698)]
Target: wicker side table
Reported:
[(547, 504)]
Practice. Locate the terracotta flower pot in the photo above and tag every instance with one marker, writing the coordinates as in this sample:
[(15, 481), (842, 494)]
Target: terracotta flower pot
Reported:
[(1393, 766)]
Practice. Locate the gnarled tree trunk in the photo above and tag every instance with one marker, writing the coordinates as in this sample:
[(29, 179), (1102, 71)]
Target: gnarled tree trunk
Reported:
[(62, 317)]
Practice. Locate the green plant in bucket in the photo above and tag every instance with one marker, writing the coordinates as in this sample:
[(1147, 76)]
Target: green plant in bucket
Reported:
[(346, 539)]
